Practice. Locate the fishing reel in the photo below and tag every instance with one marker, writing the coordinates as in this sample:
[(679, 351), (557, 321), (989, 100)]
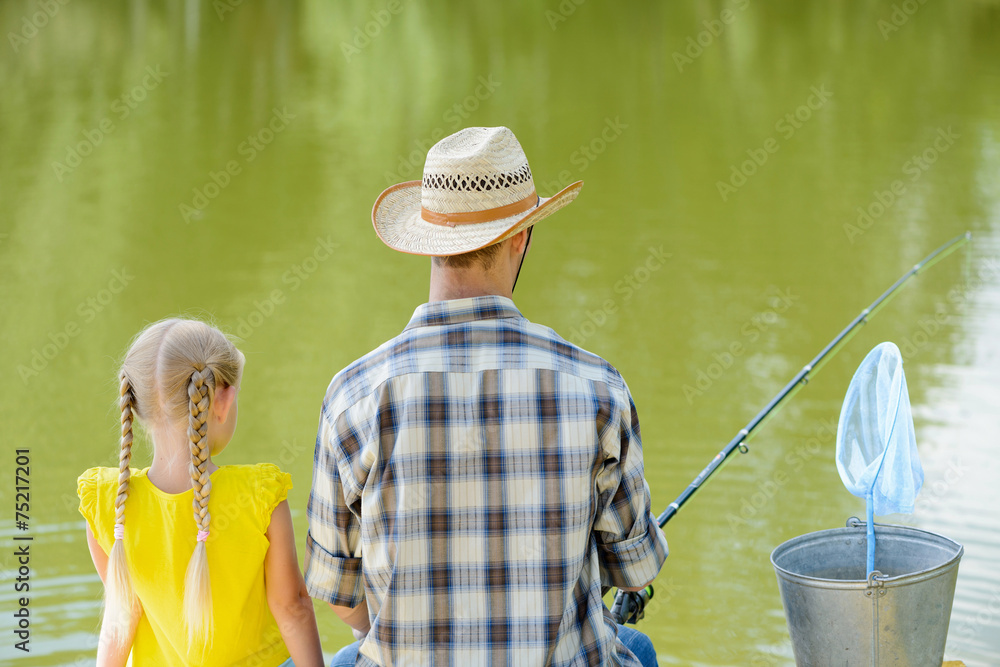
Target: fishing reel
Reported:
[(631, 607)]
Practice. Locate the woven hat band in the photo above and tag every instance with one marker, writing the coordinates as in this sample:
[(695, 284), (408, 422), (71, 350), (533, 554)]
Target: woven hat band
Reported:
[(471, 217)]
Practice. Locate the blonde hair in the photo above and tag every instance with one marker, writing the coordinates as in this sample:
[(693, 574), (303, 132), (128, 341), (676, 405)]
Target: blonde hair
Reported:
[(169, 376)]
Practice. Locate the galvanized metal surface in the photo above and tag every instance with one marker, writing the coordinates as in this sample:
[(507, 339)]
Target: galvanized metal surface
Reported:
[(897, 617)]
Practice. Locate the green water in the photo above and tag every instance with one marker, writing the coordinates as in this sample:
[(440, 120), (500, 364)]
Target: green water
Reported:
[(181, 158)]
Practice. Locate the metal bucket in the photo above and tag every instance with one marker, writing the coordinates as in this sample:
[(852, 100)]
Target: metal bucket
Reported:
[(898, 616)]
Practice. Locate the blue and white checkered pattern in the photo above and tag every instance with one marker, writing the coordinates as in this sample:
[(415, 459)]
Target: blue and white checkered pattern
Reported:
[(477, 479)]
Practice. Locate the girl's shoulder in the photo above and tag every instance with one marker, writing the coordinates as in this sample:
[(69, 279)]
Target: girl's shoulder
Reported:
[(265, 485), (257, 473), (94, 476), (87, 486), (96, 480), (99, 473), (97, 489)]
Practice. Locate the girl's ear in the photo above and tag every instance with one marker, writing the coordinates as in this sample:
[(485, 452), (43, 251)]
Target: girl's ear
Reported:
[(223, 402)]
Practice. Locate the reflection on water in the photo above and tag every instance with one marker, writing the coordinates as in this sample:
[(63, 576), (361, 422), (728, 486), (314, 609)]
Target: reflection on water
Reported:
[(221, 159)]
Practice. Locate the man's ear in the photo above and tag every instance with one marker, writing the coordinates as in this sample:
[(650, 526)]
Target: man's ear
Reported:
[(223, 402), (518, 242)]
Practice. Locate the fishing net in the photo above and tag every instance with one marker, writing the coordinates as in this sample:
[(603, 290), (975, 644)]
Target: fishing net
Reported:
[(876, 448)]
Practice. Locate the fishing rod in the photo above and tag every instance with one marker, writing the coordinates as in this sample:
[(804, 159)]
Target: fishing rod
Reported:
[(630, 606)]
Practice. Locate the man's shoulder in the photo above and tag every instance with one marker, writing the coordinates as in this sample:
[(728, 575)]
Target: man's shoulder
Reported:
[(360, 377), (577, 360), (427, 347)]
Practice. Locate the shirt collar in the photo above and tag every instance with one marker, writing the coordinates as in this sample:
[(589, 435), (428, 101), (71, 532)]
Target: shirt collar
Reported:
[(455, 311)]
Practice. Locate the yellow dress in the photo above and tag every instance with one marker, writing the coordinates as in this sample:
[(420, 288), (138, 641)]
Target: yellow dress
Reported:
[(160, 536)]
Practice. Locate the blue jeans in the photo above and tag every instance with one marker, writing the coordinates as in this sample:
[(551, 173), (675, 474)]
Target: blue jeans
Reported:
[(635, 641), (346, 656), (639, 644)]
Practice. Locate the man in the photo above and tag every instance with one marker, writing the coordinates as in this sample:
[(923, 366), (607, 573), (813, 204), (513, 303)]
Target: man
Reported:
[(477, 478)]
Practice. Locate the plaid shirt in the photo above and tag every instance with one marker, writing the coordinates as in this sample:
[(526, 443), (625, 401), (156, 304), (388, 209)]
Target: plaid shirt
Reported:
[(477, 479)]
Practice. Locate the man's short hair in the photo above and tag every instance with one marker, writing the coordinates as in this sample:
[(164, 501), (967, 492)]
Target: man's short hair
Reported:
[(486, 257)]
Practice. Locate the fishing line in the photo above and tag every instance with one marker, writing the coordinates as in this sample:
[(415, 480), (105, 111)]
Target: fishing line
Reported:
[(628, 607)]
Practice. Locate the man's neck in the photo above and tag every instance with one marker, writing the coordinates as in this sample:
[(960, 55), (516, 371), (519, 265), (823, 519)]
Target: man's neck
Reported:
[(448, 284)]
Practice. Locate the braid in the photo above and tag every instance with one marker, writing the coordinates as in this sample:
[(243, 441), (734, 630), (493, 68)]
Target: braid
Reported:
[(119, 595), (199, 394), (126, 403), (197, 586)]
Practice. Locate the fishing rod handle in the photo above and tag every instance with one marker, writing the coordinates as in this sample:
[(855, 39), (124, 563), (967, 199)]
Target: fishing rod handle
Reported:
[(630, 607)]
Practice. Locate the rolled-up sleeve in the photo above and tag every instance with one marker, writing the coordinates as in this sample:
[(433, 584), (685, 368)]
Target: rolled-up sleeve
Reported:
[(333, 544), (631, 546)]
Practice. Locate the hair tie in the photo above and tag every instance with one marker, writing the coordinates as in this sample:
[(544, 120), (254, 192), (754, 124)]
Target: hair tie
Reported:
[(119, 531), (202, 535)]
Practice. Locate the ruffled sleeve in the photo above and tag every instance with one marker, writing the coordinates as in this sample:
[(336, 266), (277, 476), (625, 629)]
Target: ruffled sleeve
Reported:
[(273, 488), (87, 486)]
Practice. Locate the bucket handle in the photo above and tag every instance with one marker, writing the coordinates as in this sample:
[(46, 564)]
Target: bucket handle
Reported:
[(855, 522), (876, 582)]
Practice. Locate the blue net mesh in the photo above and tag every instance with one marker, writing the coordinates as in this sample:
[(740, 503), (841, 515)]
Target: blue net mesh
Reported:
[(876, 448)]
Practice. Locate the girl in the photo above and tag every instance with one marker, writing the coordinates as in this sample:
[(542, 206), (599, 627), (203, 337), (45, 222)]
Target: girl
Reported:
[(180, 588)]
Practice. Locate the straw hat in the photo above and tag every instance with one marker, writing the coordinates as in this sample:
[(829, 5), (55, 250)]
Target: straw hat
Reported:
[(476, 191)]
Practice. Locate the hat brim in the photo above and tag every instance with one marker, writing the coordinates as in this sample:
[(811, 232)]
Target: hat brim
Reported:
[(397, 221)]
